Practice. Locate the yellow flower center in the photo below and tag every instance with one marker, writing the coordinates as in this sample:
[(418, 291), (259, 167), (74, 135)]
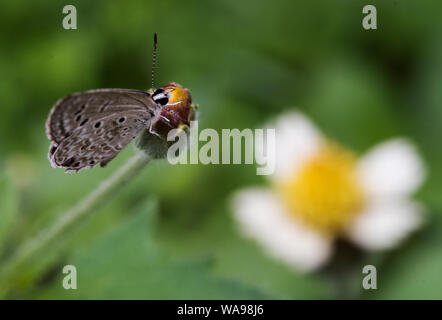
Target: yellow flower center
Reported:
[(325, 192)]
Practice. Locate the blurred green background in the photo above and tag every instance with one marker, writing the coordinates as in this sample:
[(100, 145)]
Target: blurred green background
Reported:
[(170, 234)]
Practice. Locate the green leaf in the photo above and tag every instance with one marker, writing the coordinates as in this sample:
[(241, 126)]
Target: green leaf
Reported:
[(127, 264), (236, 257)]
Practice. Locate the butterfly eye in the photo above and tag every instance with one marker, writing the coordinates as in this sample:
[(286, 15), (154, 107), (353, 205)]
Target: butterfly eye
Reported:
[(158, 91), (163, 101), (160, 97)]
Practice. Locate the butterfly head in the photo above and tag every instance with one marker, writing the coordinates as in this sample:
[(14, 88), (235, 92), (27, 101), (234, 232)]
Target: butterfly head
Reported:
[(176, 107), (172, 94)]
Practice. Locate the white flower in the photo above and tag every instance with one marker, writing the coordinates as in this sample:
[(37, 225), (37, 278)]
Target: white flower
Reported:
[(320, 191)]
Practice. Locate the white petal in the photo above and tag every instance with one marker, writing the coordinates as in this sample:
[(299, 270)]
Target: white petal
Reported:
[(393, 168), (296, 140), (262, 218), (384, 225)]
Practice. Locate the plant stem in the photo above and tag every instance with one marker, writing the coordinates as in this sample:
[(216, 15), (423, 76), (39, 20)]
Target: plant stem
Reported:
[(85, 207)]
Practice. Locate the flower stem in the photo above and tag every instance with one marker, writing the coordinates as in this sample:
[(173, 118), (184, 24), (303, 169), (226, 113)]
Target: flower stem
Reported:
[(85, 207)]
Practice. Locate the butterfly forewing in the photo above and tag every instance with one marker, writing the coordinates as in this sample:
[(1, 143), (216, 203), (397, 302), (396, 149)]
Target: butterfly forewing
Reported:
[(92, 127), (70, 111)]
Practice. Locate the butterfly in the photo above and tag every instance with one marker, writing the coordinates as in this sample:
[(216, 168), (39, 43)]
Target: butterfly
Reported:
[(91, 127)]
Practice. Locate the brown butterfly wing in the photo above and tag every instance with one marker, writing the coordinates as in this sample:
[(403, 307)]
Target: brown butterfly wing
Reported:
[(79, 108), (84, 127), (99, 140)]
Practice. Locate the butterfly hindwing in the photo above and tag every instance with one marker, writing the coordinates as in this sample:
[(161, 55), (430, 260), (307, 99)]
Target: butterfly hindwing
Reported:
[(98, 141)]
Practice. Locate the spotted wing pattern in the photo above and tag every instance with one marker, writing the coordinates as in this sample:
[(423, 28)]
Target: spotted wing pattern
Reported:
[(92, 127), (77, 108)]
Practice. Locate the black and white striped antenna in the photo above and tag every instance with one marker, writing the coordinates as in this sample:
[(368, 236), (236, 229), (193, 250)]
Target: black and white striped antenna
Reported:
[(155, 42)]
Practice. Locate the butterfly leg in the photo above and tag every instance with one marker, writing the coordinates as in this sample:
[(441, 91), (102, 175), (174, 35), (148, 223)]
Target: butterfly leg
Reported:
[(167, 121), (152, 131), (154, 120)]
